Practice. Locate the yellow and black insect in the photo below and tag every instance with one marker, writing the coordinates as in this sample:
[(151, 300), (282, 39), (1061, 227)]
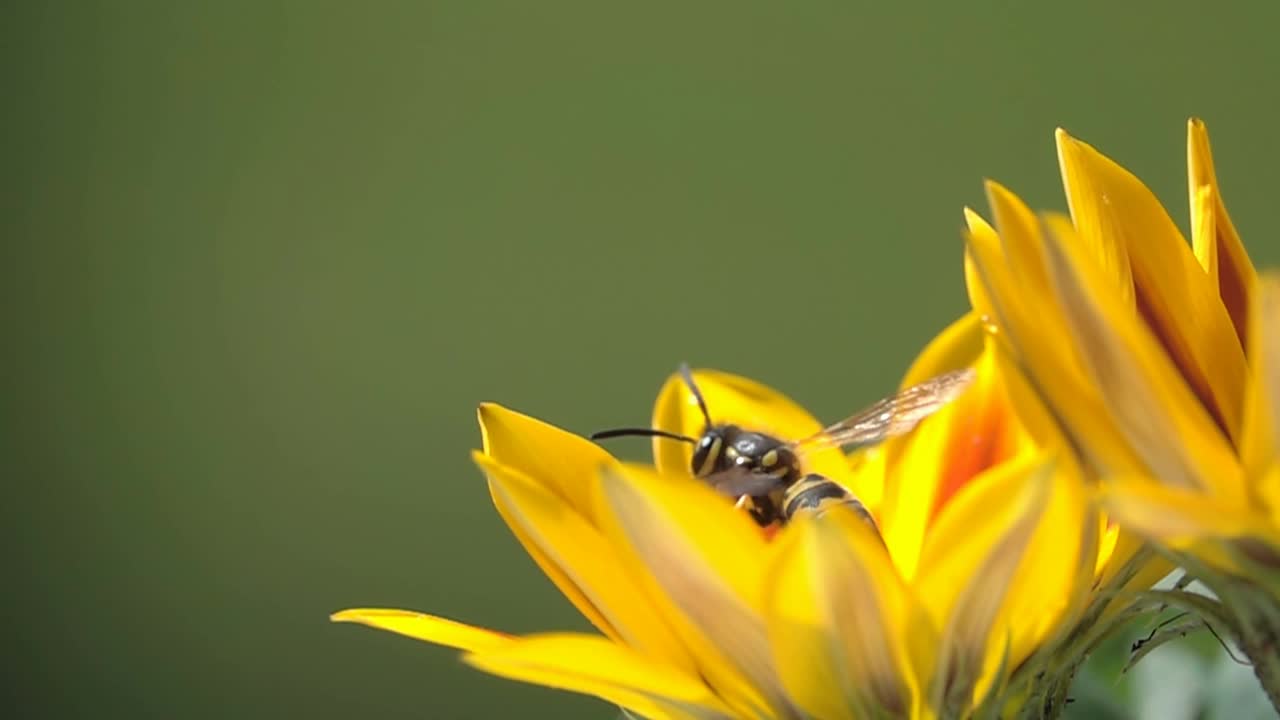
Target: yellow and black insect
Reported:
[(765, 473)]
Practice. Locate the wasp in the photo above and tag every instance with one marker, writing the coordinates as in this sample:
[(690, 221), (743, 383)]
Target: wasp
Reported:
[(766, 473)]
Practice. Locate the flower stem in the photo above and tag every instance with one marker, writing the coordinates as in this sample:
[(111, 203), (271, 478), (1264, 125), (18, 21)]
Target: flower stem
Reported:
[(1266, 667), (1253, 622), (1258, 639)]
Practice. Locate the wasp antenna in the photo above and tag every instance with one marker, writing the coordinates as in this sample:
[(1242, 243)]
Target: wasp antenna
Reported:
[(640, 432), (687, 375)]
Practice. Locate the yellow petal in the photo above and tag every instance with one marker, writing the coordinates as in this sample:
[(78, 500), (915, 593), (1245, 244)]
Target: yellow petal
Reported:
[(984, 265), (976, 575), (1131, 568), (1185, 520), (587, 561), (913, 475), (594, 666), (945, 453), (1102, 234), (428, 628), (551, 568), (1056, 569), (699, 559), (528, 446), (1267, 485), (1041, 433), (563, 462), (840, 621), (1233, 271), (584, 664), (1029, 323), (1035, 423), (732, 399), (979, 295), (1261, 440), (1175, 296), (866, 480), (1204, 236), (1151, 404), (1108, 545), (1021, 247)]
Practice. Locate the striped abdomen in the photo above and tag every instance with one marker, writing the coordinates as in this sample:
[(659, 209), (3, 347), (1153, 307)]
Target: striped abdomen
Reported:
[(815, 493)]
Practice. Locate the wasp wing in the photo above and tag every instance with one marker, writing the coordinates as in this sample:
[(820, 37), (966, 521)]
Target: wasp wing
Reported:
[(895, 415), (738, 480)]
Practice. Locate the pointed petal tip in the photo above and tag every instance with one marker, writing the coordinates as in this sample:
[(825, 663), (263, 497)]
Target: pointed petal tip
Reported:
[(997, 196), (1200, 169), (1068, 145), (367, 616), (484, 416), (995, 188), (975, 223), (427, 628), (489, 412), (362, 614)]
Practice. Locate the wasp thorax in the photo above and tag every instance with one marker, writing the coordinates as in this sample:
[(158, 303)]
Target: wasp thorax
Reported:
[(757, 452)]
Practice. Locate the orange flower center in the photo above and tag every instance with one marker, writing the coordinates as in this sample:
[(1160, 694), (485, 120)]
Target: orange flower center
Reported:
[(983, 434)]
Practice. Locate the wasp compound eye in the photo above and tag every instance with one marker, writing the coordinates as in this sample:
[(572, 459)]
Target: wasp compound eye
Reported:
[(707, 455), (769, 460)]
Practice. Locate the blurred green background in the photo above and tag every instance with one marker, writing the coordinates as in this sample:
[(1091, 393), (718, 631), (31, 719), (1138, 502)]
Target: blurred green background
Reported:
[(262, 260)]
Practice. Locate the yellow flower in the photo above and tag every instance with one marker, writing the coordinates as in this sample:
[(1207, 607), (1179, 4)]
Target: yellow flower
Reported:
[(981, 567), (1150, 351)]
